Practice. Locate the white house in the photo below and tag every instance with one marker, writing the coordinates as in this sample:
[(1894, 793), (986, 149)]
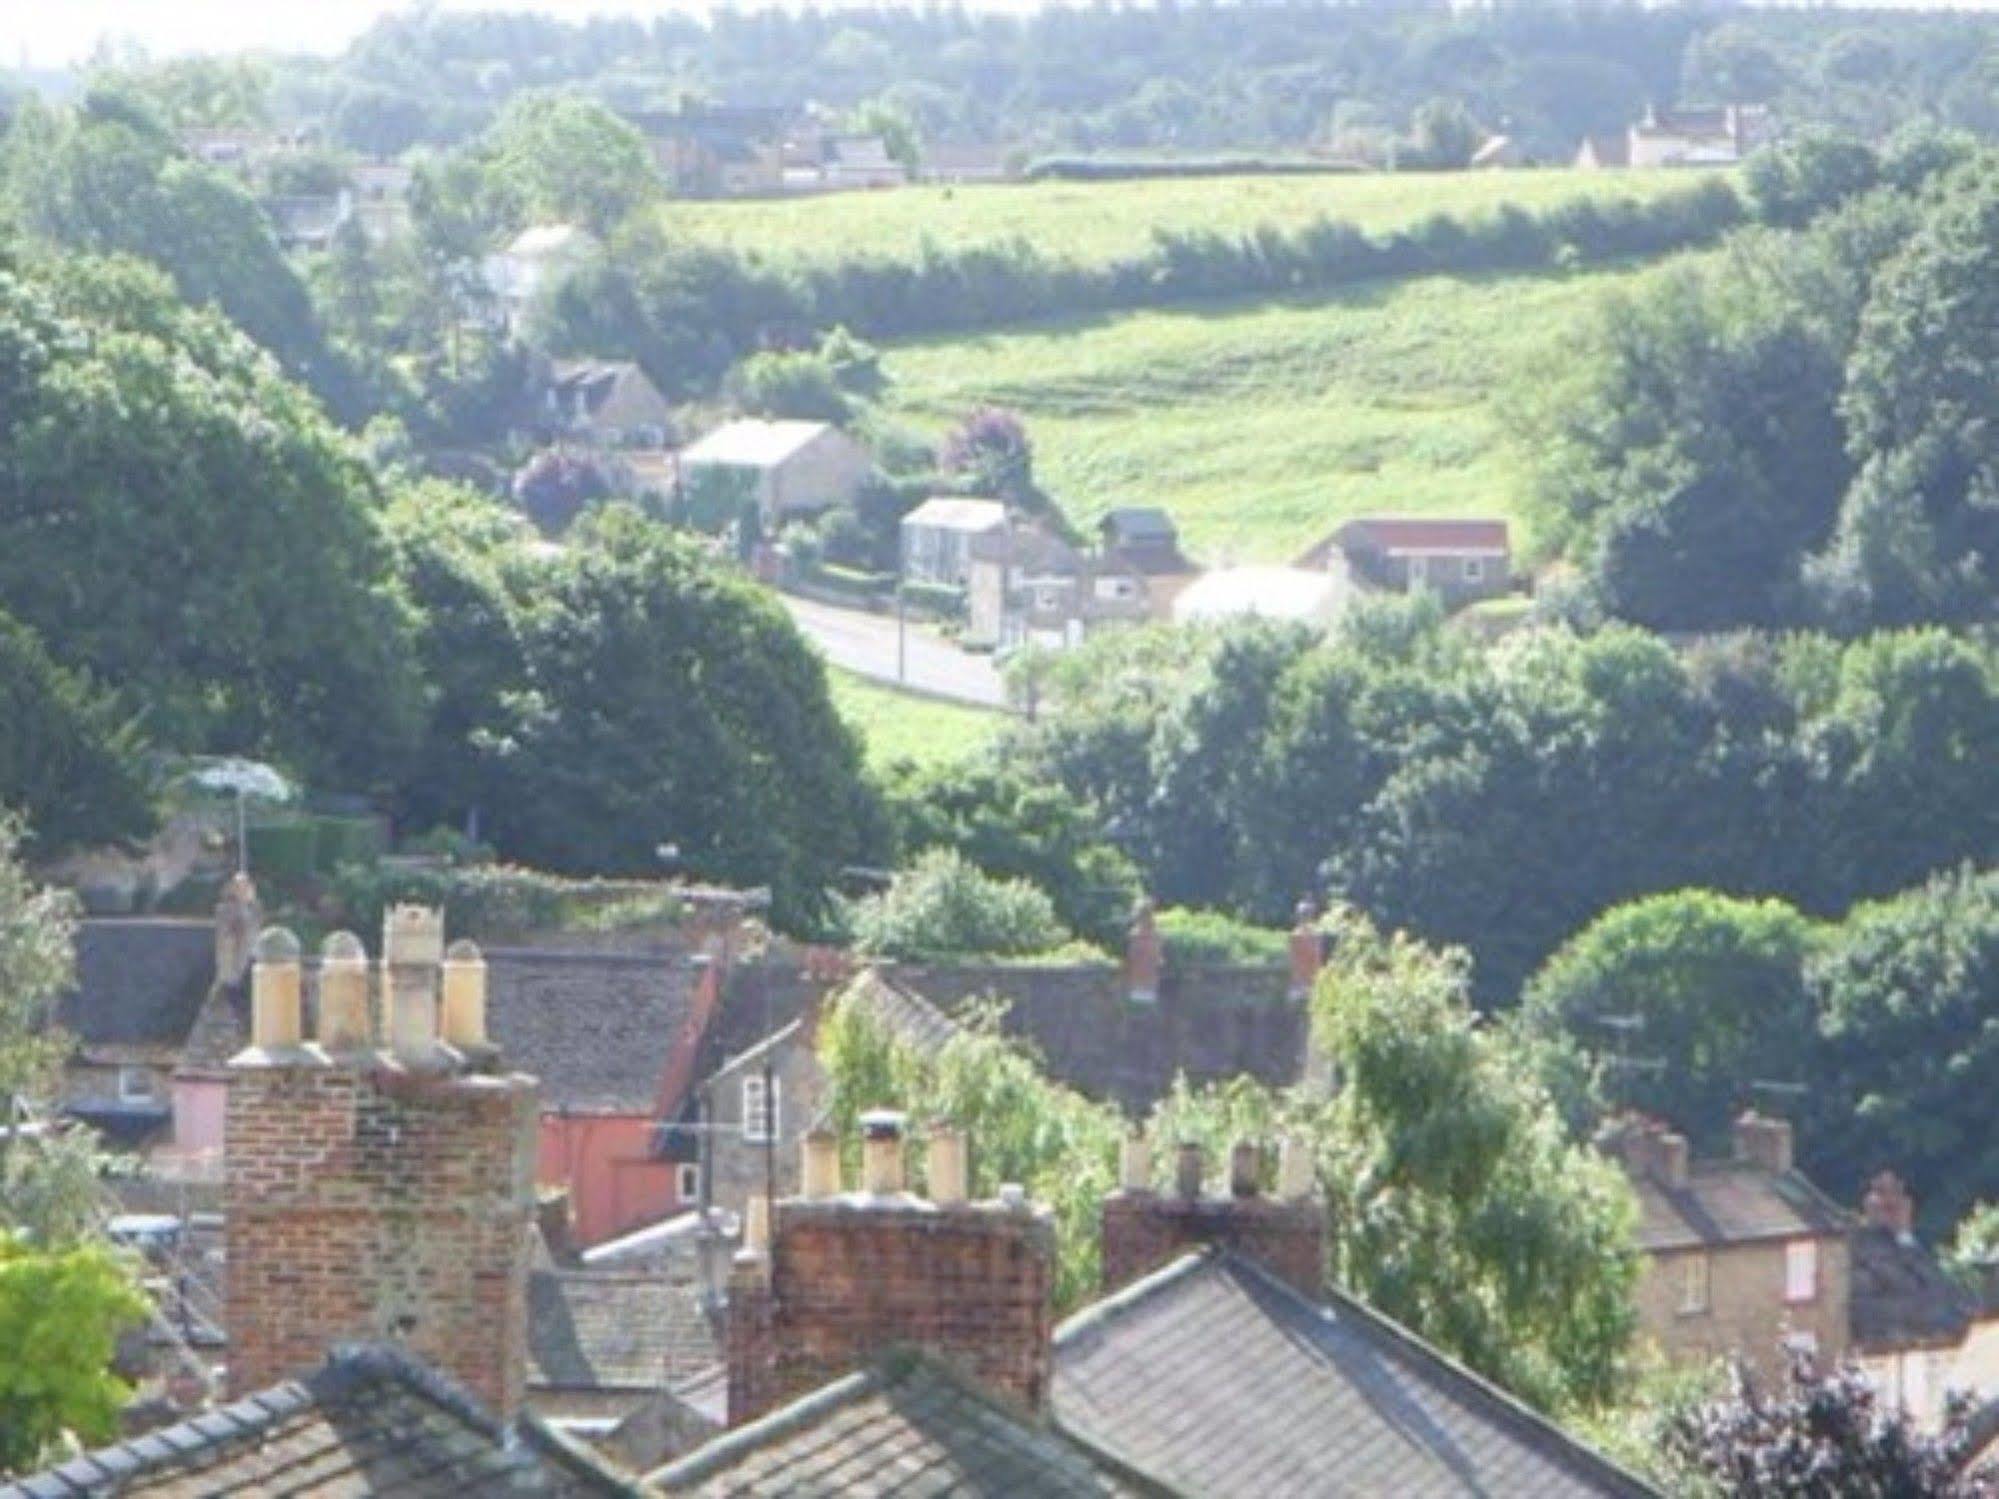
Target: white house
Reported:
[(941, 537), (533, 259), (796, 467)]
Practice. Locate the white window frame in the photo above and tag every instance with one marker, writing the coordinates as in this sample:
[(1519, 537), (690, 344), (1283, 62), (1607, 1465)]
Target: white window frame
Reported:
[(687, 1182), (1801, 1272), (1474, 571), (143, 1093), (1696, 1285), (760, 1124)]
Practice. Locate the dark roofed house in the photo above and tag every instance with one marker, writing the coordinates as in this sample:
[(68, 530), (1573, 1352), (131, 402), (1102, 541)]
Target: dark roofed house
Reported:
[(372, 1421), (1911, 1320), (1459, 559), (608, 403), (140, 987), (1221, 1379), (1740, 1256), (613, 1038)]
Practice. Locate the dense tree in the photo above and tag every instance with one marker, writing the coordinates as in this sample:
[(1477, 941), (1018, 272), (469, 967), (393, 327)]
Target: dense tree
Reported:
[(944, 906), (61, 1313), (796, 386), (68, 762), (560, 157), (1704, 992), (144, 441), (554, 487)]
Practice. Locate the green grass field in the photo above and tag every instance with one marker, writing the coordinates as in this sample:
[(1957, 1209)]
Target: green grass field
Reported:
[(902, 726), (1260, 426), (1095, 222)]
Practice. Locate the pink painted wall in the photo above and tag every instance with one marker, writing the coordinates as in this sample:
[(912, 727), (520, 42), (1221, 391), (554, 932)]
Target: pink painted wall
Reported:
[(606, 1162), (199, 1105)]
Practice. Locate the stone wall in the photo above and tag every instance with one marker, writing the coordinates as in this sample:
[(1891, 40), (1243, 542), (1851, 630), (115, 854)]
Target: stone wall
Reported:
[(1746, 1312), (366, 1202)]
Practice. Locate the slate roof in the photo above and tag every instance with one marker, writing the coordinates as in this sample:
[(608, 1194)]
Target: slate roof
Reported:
[(371, 1421), (140, 982), (905, 1426), (953, 513), (592, 1330), (913, 1019), (1732, 1202), (1224, 1381), (1900, 1295), (754, 444), (1129, 525), (596, 1028), (1416, 533), (594, 380)]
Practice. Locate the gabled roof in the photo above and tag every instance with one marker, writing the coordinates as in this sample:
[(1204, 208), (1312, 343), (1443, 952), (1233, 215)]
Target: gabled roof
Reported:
[(599, 1331), (1132, 524), (595, 1028), (594, 380), (139, 982), (1900, 1295), (1224, 1381), (1393, 534), (1731, 1202), (372, 1421), (951, 513), (908, 1425), (550, 239), (755, 444)]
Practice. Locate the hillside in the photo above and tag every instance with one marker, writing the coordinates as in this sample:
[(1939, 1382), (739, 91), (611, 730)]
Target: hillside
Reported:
[(1260, 425), (1094, 223)]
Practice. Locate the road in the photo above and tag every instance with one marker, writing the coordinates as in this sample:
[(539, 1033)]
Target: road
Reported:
[(865, 644)]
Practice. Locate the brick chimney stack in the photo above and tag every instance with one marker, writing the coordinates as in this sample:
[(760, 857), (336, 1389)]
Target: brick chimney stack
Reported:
[(376, 1192), (847, 1275), (1308, 951), (1888, 1205), (1144, 955), (1286, 1234), (238, 918), (1763, 1141)]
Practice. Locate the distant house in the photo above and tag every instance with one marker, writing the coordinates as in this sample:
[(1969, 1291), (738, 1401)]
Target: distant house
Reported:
[(1718, 135), (717, 150), (607, 403), (964, 165), (1298, 595), (1036, 589), (1460, 560), (535, 258), (1604, 152), (830, 162), (1741, 1256), (309, 222), (1496, 152), (1144, 540), (381, 198), (941, 536), (794, 468)]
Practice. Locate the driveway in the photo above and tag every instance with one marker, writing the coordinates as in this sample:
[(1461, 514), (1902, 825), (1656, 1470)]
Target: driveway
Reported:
[(866, 645)]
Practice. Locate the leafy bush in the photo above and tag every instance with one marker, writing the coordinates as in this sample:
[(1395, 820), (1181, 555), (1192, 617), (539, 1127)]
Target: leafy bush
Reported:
[(943, 906), (501, 900), (1200, 936)]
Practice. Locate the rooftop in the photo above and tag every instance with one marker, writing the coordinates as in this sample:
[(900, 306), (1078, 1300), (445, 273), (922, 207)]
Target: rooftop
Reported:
[(549, 239), (139, 981), (595, 1028), (906, 1426), (1731, 1202), (754, 444), (371, 1421), (596, 1330), (1224, 1381), (1901, 1297), (949, 513), (1423, 533)]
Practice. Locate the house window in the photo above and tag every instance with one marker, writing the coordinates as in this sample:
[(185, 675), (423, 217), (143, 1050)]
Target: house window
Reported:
[(135, 1084), (761, 1116), (1474, 569), (687, 1182), (1801, 1270), (1693, 1285)]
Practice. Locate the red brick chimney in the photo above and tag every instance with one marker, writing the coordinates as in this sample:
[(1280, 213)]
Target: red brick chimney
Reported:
[(1888, 1205), (1763, 1141), (1144, 955), (1308, 951), (1286, 1234), (829, 1279), (380, 1176)]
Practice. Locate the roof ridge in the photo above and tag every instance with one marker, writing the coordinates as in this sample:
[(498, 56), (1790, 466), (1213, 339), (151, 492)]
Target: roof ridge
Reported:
[(786, 1419), (167, 1445), (1511, 1404), (1107, 1308)]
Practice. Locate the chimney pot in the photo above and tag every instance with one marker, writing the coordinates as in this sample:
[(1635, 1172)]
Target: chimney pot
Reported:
[(756, 1226), (1013, 1197), (1245, 1165), (344, 1022), (1294, 1169), (1307, 950), (819, 1164), (465, 994), (1888, 1205), (881, 1152), (1135, 1163), (276, 985), (1144, 955), (1188, 1170), (948, 1171), (1670, 1159), (1764, 1141)]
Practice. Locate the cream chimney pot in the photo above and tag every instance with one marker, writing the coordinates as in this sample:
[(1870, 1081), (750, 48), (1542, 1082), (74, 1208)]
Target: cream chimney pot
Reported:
[(464, 994), (276, 985), (1294, 1169), (881, 1153), (344, 1022), (756, 1226), (948, 1167), (819, 1164), (1135, 1163)]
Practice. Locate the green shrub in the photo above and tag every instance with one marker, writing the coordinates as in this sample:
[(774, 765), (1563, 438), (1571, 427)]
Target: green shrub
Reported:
[(1198, 936), (491, 900), (286, 851)]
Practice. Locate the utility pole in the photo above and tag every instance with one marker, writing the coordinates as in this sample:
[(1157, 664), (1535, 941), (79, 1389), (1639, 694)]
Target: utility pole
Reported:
[(901, 635)]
